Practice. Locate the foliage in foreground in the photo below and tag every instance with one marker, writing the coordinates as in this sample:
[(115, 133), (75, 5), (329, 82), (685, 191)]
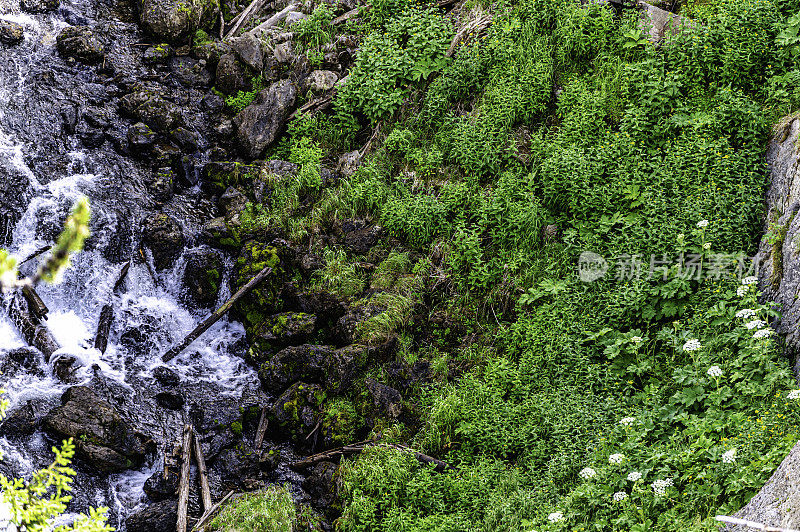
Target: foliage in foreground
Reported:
[(270, 510)]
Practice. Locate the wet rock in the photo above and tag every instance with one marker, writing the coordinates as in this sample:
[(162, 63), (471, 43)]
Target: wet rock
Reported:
[(159, 114), (388, 401), (158, 517), (163, 236), (349, 163), (164, 154), (248, 49), (69, 117), (203, 275), (21, 359), (166, 377), (259, 304), (21, 421), (232, 202), (281, 330), (362, 240), (191, 72), (321, 485), (170, 400), (92, 137), (217, 176), (65, 368), (172, 20), (11, 33), (321, 80), (14, 187), (213, 103), (297, 410), (101, 436), (346, 330), (39, 6), (80, 42), (232, 76), (345, 365), (157, 54), (238, 467), (258, 125), (185, 138), (292, 364), (326, 306), (161, 486), (140, 137)]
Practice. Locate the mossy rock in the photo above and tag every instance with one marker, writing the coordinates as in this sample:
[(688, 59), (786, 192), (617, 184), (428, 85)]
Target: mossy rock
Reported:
[(217, 176), (292, 364), (340, 421), (297, 411), (279, 331), (260, 303)]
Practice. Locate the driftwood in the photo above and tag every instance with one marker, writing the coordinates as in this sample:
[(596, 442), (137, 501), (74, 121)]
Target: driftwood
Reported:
[(107, 314), (210, 513), (263, 422), (32, 328), (271, 21), (752, 524), (355, 448), (242, 18), (205, 490), (183, 487), (216, 315)]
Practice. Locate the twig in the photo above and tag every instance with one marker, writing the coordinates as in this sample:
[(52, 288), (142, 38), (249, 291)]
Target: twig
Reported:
[(347, 16), (35, 254), (369, 142), (216, 315)]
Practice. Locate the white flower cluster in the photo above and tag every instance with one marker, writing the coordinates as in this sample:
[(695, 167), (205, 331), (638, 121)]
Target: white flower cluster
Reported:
[(702, 223), (747, 281), (555, 517), (616, 458), (692, 345), (742, 291), (587, 473), (794, 394), (762, 333), (714, 372), (746, 313), (620, 496), (729, 457), (660, 486), (636, 339), (755, 324), (627, 421), (634, 476)]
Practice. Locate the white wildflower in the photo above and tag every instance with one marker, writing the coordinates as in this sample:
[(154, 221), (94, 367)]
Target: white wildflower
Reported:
[(794, 394), (636, 339), (742, 291), (660, 486), (714, 372), (616, 458), (702, 223), (729, 457), (707, 246), (627, 421), (634, 476), (692, 345), (762, 333), (746, 313), (555, 517), (587, 473), (620, 496), (749, 280), (756, 324)]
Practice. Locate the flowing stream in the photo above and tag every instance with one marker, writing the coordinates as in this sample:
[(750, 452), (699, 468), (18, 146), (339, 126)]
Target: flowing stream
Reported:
[(43, 171)]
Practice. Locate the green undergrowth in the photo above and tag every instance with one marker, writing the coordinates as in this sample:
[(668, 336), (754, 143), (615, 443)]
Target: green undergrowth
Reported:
[(269, 510), (637, 401)]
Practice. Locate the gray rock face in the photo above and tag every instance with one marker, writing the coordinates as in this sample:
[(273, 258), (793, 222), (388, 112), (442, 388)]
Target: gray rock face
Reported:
[(658, 23), (101, 436), (777, 262), (248, 49), (81, 43), (11, 33), (39, 6), (173, 20), (164, 237), (258, 125), (322, 80), (158, 517)]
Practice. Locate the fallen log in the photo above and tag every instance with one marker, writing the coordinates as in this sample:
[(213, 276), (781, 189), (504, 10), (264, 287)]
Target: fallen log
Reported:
[(183, 486), (439, 466), (242, 18), (271, 21), (107, 314), (355, 448), (36, 306), (31, 327), (216, 315), (205, 489), (315, 105), (261, 432), (210, 513)]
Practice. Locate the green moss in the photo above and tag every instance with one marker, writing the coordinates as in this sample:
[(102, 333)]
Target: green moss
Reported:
[(236, 427)]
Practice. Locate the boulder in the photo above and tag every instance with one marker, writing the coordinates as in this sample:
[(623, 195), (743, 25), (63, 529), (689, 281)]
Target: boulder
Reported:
[(101, 436), (140, 137), (166, 376), (163, 236), (232, 202), (39, 6), (260, 122), (387, 401), (279, 331), (349, 163), (264, 180), (159, 114), (659, 24), (21, 421), (203, 275), (232, 75), (173, 20), (297, 410), (297, 363), (248, 49), (321, 80), (161, 486), (11, 33), (157, 54), (80, 43), (321, 484), (157, 517), (161, 184)]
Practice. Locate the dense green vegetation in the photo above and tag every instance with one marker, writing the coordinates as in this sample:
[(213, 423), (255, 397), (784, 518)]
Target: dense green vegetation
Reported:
[(635, 402)]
